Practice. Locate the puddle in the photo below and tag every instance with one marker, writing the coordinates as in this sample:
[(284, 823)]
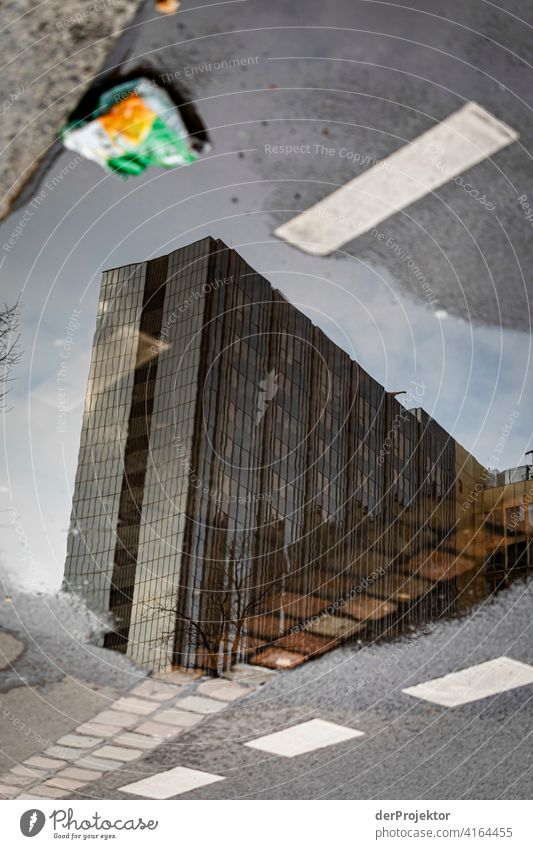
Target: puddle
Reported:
[(474, 380)]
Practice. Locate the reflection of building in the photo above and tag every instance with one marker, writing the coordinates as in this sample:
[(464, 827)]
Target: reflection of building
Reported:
[(504, 526), (239, 475)]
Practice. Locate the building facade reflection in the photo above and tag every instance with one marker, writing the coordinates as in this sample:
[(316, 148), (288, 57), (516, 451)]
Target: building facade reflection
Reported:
[(246, 491)]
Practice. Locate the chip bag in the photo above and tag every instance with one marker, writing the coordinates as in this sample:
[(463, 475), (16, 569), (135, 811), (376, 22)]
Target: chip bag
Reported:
[(135, 125)]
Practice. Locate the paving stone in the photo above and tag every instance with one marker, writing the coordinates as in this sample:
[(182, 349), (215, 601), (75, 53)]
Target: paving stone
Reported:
[(367, 607), (44, 763), (226, 691), (97, 729), (116, 718), (9, 792), (31, 772), (79, 774), (304, 737), (17, 780), (199, 704), (133, 705), (117, 753), (65, 753), (192, 673), (173, 782), (90, 762), (79, 741), (65, 783), (156, 729), (157, 690), (299, 606), (50, 792), (280, 659), (301, 642), (247, 673), (30, 797), (430, 565), (178, 676), (183, 718), (137, 741), (334, 626), (396, 587)]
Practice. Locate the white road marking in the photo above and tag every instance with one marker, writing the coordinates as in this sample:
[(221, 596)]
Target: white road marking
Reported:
[(305, 737), (461, 141), (173, 782), (475, 682)]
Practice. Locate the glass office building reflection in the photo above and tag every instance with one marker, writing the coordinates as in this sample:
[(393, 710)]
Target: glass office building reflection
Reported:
[(245, 490)]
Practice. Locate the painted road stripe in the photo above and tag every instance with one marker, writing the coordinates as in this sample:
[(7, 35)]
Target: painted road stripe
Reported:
[(305, 737), (173, 782), (465, 138), (476, 682)]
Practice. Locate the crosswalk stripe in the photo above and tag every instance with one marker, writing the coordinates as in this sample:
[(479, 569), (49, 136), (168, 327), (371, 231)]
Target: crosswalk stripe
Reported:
[(172, 782), (474, 682), (305, 737), (461, 141)]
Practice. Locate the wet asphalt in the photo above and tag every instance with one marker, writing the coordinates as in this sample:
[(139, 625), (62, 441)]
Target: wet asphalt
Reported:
[(345, 84), (363, 78), (342, 85), (411, 749)]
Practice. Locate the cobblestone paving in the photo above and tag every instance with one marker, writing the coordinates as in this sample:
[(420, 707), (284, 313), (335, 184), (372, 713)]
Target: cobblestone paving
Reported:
[(152, 713)]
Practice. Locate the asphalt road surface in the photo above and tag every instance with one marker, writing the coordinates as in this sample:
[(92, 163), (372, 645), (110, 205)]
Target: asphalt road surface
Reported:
[(411, 749), (345, 84)]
